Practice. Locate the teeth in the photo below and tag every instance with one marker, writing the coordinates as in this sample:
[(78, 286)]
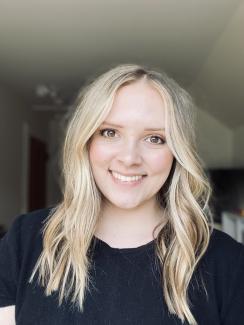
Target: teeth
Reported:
[(126, 178)]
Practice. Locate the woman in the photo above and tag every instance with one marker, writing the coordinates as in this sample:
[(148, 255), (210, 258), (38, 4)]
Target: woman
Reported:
[(132, 241)]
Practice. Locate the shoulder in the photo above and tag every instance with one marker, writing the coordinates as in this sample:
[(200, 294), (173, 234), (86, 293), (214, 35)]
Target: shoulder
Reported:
[(223, 265), (31, 220), (222, 245), (23, 241), (224, 258), (26, 227), (19, 249), (218, 236)]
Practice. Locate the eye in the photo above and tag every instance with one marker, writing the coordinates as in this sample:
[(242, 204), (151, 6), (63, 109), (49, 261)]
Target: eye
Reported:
[(107, 133), (156, 139)]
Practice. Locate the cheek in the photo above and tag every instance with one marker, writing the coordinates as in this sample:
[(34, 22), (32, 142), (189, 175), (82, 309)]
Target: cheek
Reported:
[(161, 162), (98, 154)]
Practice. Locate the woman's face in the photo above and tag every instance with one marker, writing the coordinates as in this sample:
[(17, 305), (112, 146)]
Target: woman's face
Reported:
[(129, 157)]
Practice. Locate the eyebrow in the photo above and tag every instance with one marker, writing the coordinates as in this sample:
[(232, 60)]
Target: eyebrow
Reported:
[(121, 127)]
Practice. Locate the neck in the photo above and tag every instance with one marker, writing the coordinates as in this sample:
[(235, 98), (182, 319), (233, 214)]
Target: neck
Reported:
[(128, 227)]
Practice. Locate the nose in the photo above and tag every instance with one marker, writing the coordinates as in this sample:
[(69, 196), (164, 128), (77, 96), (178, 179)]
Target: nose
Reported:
[(129, 154)]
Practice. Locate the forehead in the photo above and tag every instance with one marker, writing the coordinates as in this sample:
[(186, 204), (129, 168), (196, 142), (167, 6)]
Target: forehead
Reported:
[(138, 102)]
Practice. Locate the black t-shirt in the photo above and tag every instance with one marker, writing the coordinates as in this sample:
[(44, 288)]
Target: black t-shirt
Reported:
[(127, 288)]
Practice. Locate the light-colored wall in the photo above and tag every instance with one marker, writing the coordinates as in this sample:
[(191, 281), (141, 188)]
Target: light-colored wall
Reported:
[(14, 114), (238, 147), (56, 134), (215, 141)]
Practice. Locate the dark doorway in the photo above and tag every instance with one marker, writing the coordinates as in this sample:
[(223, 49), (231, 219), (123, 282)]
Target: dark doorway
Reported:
[(37, 174)]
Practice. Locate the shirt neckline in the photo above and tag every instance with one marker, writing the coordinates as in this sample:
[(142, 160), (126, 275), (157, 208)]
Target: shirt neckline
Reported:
[(130, 250)]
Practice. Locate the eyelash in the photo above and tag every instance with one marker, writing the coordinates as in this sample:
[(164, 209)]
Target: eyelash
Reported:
[(101, 132)]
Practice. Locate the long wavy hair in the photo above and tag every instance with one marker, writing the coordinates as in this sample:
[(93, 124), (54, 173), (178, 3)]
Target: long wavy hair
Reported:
[(64, 262)]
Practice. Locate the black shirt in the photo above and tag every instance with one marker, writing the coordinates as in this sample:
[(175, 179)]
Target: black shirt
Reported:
[(127, 288)]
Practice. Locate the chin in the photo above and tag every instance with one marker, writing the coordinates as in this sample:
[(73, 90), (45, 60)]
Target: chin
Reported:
[(125, 205)]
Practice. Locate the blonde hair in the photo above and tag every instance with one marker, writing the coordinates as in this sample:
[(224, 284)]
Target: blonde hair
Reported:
[(64, 262)]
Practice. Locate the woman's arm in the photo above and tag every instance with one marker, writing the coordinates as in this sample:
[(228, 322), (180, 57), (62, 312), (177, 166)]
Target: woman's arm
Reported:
[(7, 315)]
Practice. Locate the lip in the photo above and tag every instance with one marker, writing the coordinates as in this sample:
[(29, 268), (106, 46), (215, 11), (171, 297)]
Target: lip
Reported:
[(126, 184), (127, 175)]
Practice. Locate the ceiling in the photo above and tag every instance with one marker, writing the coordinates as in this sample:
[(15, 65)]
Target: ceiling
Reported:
[(62, 43)]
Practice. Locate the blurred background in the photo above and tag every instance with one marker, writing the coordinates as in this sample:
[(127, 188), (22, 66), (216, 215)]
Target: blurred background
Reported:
[(48, 50)]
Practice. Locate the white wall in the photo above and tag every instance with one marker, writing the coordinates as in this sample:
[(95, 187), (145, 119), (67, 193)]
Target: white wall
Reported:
[(56, 134), (238, 149), (238, 146), (14, 112), (215, 141)]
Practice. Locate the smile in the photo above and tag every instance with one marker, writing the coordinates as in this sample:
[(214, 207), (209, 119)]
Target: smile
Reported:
[(135, 179), (126, 178)]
